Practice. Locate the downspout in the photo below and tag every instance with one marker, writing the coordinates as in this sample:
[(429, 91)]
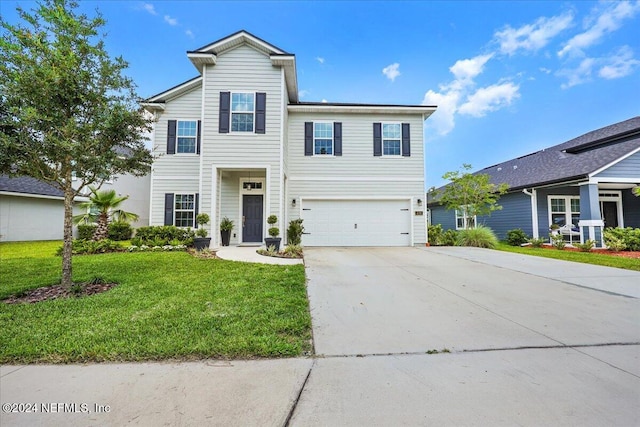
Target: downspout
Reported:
[(534, 210)]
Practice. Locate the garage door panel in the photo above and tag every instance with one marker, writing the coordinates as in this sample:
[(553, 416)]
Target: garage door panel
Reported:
[(356, 223)]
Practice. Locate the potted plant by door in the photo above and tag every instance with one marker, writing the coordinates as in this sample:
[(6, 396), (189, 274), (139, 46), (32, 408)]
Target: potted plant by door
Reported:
[(226, 225), (202, 241), (274, 240)]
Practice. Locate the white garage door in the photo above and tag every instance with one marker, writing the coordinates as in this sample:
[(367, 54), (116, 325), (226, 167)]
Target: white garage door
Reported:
[(356, 222)]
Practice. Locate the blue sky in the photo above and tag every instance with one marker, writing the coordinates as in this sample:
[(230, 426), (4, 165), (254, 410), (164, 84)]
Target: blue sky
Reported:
[(509, 77)]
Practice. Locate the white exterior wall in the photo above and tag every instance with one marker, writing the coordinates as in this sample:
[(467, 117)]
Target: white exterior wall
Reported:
[(357, 174), (173, 173), (138, 190), (242, 69)]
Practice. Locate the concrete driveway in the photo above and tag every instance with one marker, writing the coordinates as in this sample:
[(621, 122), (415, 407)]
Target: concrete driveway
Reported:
[(515, 340)]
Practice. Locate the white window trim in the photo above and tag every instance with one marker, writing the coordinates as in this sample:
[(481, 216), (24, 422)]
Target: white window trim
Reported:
[(333, 139), (184, 210), (242, 132), (465, 218), (389, 139), (195, 145), (568, 212)]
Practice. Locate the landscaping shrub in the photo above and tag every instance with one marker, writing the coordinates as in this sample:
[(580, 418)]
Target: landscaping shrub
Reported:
[(517, 237), (586, 246), (89, 247), (294, 232), (622, 238), (557, 240), (294, 251), (161, 235), (479, 237), (120, 230), (438, 237), (537, 243), (85, 231)]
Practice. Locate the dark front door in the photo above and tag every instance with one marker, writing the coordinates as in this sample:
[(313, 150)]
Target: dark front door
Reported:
[(252, 218), (610, 214)]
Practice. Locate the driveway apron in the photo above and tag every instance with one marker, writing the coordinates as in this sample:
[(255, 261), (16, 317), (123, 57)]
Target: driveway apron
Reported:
[(419, 336)]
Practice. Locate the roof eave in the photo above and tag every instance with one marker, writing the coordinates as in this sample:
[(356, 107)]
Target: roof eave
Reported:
[(288, 62), (424, 110)]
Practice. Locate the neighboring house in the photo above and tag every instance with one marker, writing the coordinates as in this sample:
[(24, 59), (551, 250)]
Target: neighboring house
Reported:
[(236, 142), (34, 210), (581, 185)]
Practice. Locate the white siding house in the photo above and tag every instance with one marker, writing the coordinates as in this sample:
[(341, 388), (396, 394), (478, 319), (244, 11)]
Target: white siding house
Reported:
[(236, 142)]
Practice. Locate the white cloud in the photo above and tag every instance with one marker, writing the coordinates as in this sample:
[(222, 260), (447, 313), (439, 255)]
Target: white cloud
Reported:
[(320, 59), (578, 75), (302, 93), (443, 120), (324, 101), (490, 98), (149, 8), (189, 33), (171, 21), (545, 70), (532, 37), (606, 22), (621, 64), (465, 70), (391, 71)]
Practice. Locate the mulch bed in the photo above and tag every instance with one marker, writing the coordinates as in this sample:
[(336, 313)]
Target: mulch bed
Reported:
[(58, 291), (624, 254)]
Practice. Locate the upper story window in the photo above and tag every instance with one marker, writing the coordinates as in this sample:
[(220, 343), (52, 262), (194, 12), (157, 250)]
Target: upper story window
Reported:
[(187, 134), (242, 112), (323, 138), (391, 139)]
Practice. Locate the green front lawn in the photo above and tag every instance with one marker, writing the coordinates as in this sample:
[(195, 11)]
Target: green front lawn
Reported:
[(167, 305), (584, 257)]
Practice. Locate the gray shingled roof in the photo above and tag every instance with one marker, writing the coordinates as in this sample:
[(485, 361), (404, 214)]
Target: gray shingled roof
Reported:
[(28, 185), (574, 159)]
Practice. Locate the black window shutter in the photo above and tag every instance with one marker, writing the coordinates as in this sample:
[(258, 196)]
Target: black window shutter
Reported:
[(168, 209), (406, 140), (308, 138), (261, 111), (337, 139), (377, 139), (171, 137), (196, 209), (198, 138), (225, 106)]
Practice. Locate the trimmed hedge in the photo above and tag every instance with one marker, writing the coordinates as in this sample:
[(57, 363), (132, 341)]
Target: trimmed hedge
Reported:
[(161, 235)]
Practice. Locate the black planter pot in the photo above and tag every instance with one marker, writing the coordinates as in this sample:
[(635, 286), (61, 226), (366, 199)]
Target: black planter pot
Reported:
[(200, 243), (225, 235), (273, 241)]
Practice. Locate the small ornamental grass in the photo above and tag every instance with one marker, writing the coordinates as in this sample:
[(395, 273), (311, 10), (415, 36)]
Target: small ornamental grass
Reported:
[(479, 237)]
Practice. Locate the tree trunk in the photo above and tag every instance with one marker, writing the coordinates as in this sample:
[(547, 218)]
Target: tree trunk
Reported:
[(68, 235), (102, 230)]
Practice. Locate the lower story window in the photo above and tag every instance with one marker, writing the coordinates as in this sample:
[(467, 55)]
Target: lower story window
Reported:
[(564, 210), (464, 220), (184, 210)]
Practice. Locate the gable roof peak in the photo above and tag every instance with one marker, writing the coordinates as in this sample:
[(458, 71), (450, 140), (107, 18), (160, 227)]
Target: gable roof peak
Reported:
[(239, 38)]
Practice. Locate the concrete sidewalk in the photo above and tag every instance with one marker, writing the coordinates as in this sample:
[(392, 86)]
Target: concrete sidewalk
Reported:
[(249, 254)]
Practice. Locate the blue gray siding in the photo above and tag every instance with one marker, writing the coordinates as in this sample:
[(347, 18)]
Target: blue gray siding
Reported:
[(515, 213), (631, 209), (443, 216), (627, 168)]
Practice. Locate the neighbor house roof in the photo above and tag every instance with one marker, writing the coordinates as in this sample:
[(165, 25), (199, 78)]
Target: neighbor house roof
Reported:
[(25, 185), (571, 160)]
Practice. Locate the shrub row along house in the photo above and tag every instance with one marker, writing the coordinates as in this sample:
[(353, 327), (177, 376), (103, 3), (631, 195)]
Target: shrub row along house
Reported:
[(581, 185), (236, 142)]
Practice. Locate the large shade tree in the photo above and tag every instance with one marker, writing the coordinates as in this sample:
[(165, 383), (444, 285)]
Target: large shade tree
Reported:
[(69, 116), (472, 194)]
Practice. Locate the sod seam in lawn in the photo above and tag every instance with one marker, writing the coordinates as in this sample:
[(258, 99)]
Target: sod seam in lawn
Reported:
[(583, 257), (167, 305)]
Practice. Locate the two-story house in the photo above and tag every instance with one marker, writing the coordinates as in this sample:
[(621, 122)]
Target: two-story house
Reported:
[(236, 142)]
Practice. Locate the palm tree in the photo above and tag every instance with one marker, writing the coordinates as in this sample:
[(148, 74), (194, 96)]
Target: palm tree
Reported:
[(102, 207)]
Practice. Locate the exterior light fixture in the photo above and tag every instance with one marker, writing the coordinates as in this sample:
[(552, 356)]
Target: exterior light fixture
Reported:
[(419, 202), (293, 202)]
